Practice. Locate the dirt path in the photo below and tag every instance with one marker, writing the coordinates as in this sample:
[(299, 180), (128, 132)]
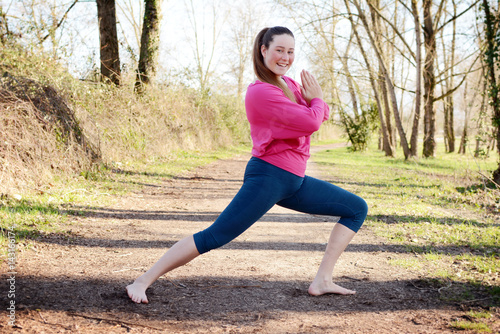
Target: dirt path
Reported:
[(256, 284)]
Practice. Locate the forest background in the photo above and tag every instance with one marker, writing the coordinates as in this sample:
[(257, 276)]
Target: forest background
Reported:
[(406, 73)]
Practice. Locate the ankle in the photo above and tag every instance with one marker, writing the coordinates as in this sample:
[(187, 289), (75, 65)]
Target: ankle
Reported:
[(322, 279), (142, 281)]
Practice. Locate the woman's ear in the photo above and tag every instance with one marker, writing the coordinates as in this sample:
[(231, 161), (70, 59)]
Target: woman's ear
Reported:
[(263, 50)]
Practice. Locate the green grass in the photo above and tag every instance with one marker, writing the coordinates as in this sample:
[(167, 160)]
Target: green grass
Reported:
[(479, 314), (475, 326), (440, 211)]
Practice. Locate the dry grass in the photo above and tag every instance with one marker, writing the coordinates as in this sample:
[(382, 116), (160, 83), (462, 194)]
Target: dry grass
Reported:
[(160, 122), (39, 135), (52, 124)]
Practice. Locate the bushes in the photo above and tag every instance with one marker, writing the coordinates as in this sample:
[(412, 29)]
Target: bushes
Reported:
[(359, 127)]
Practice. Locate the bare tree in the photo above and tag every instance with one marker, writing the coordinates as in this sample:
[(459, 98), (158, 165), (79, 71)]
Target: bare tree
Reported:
[(128, 13), (150, 44), (431, 29), (388, 79), (464, 140), (204, 55), (108, 37), (418, 81), (44, 20), (447, 84), (386, 143), (429, 77), (377, 35), (483, 134)]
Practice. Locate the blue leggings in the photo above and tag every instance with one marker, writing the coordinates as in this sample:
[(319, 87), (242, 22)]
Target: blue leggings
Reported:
[(264, 186)]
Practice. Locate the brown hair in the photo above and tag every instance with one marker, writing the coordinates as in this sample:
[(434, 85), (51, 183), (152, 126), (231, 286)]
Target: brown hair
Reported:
[(264, 74)]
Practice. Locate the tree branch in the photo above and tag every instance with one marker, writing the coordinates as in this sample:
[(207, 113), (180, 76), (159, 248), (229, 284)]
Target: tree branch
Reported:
[(394, 28), (61, 21), (457, 16), (451, 91)]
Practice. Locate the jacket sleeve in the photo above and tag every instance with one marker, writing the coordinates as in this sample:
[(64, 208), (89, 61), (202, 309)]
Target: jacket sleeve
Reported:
[(268, 107)]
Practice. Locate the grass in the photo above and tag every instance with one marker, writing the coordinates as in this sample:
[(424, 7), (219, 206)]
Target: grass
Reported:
[(475, 326), (440, 210)]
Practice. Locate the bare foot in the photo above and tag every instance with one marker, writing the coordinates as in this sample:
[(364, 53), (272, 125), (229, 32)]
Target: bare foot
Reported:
[(321, 288), (137, 292)]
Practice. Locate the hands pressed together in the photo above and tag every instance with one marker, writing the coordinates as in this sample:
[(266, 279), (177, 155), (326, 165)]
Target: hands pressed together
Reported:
[(310, 87)]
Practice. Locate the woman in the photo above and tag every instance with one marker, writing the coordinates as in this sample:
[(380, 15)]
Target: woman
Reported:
[(282, 116)]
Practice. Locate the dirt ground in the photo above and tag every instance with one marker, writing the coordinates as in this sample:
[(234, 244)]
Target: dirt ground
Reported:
[(256, 284)]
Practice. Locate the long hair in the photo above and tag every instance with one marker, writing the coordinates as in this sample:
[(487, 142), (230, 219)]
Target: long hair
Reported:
[(265, 37)]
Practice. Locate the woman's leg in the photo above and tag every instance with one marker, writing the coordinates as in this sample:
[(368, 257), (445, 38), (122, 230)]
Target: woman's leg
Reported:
[(264, 185), (181, 253), (322, 283), (323, 198)]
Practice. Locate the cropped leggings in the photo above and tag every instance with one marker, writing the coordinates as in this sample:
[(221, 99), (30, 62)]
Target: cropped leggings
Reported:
[(264, 186)]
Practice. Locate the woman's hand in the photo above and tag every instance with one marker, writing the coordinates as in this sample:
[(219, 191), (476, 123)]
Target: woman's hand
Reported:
[(310, 87)]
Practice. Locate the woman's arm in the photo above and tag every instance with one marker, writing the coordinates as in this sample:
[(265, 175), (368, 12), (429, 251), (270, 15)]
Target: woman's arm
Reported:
[(269, 108)]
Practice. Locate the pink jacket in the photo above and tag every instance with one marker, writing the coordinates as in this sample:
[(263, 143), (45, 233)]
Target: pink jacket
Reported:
[(281, 129)]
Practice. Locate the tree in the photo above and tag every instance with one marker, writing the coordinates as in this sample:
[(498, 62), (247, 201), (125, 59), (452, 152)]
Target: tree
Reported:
[(388, 80), (491, 59), (4, 28), (204, 56), (108, 37), (376, 27), (41, 21), (448, 82), (429, 78), (418, 81), (431, 29), (150, 44), (386, 144)]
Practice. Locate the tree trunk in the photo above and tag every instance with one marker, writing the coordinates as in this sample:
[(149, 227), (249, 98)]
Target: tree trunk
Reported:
[(108, 36), (482, 136), (386, 105), (150, 44), (463, 141), (381, 77), (418, 81), (429, 82), (450, 128), (491, 59)]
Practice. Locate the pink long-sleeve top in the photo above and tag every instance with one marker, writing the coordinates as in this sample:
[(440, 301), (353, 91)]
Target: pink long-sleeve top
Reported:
[(281, 129)]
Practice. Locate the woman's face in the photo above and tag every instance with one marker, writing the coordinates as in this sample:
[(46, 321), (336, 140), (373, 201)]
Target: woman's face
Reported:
[(280, 54)]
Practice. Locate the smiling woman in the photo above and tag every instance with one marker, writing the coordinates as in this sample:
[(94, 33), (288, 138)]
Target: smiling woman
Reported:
[(273, 55), (279, 56), (282, 115)]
